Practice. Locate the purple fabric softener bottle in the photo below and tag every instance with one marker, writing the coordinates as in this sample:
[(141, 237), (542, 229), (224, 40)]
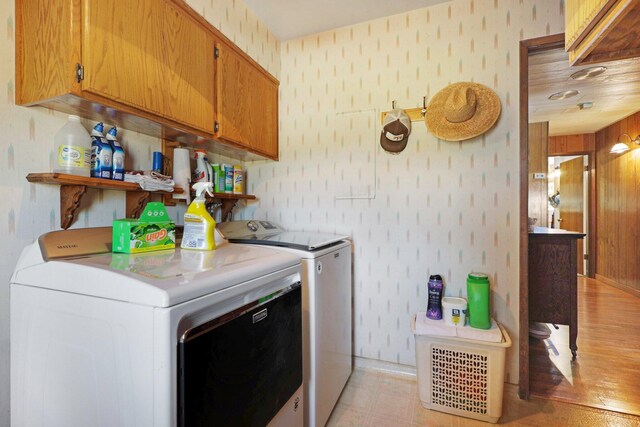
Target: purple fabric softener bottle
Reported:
[(434, 303)]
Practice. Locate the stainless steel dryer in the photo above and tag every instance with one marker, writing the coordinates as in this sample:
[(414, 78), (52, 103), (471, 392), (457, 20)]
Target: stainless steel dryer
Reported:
[(326, 302)]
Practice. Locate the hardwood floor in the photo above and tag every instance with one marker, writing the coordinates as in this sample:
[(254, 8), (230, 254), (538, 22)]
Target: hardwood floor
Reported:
[(606, 373)]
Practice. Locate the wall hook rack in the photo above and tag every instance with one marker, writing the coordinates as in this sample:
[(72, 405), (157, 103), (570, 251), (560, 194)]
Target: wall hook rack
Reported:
[(415, 114)]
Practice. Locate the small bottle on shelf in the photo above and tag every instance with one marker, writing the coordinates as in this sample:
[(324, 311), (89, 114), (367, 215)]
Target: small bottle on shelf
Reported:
[(117, 167)]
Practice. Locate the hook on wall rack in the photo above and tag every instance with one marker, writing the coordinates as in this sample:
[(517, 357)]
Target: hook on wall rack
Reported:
[(415, 114)]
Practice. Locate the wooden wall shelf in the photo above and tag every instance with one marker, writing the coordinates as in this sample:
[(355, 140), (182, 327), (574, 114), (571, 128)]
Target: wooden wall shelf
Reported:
[(226, 200), (73, 187)]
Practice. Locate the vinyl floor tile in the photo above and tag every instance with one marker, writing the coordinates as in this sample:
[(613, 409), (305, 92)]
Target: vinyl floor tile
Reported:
[(372, 398)]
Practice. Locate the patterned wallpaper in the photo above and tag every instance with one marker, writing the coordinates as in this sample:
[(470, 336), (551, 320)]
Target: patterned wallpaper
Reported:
[(242, 27), (26, 145), (438, 207)]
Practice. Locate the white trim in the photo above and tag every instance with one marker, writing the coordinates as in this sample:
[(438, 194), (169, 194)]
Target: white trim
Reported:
[(384, 367)]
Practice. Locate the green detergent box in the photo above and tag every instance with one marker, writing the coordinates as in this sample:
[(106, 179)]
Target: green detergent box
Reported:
[(153, 231)]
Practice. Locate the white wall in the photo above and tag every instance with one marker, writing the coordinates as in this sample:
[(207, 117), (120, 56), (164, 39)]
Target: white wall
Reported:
[(439, 207), (26, 145)]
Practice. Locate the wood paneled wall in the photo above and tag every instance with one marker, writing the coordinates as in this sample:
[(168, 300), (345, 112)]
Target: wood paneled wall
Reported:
[(538, 188), (618, 207)]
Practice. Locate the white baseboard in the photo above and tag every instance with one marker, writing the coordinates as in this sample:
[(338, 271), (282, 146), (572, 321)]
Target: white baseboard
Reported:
[(384, 367)]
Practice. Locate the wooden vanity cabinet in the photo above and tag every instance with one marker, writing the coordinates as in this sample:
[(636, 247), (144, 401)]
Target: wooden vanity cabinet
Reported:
[(553, 279), (247, 104)]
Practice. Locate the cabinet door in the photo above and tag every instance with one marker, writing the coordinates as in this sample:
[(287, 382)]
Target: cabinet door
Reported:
[(44, 40), (247, 104), (150, 55)]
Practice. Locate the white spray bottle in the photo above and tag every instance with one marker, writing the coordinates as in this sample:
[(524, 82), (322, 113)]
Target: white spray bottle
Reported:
[(199, 226), (201, 173)]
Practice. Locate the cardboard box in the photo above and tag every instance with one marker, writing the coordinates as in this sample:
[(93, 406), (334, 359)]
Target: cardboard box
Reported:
[(153, 231)]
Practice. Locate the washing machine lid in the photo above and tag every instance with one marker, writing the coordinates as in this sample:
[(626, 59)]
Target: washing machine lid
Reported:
[(160, 279), (269, 233), (293, 239)]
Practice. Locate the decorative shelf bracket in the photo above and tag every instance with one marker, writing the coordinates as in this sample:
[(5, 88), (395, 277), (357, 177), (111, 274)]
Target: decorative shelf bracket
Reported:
[(227, 207), (136, 201), (70, 196)]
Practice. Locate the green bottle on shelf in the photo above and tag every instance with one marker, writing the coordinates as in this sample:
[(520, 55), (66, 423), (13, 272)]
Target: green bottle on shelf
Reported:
[(478, 301)]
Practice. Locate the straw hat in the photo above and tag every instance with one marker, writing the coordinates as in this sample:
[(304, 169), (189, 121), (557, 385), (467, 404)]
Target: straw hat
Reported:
[(462, 111)]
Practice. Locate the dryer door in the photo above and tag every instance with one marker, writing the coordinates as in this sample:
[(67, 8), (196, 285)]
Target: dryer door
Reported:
[(241, 368)]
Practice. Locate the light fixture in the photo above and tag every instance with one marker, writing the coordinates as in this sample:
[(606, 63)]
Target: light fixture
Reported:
[(563, 95), (585, 105), (621, 147), (588, 73)]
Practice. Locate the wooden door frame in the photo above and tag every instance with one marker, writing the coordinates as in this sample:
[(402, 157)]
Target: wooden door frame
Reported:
[(527, 47)]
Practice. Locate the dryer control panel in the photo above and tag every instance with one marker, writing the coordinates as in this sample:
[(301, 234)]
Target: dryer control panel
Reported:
[(248, 229)]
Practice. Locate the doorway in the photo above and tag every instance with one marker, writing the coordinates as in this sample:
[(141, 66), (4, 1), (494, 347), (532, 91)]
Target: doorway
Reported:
[(568, 200), (527, 47), (610, 332)]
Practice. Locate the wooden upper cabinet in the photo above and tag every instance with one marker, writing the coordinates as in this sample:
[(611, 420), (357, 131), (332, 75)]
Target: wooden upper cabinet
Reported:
[(137, 58), (602, 30), (150, 55), (147, 66), (247, 104)]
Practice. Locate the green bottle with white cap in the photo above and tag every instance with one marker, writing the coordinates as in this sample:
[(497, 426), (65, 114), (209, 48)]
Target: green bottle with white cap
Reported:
[(478, 301)]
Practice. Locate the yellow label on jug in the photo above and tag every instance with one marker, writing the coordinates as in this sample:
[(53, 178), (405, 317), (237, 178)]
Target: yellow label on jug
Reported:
[(69, 155)]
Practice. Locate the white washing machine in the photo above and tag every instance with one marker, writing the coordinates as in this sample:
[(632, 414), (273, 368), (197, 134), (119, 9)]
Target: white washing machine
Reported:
[(170, 338), (326, 296)]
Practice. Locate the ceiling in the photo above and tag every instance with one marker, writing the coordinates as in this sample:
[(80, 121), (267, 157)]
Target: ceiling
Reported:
[(615, 93), (290, 19)]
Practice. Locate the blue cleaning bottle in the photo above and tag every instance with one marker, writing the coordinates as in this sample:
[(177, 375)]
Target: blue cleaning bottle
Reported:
[(106, 158), (97, 138), (117, 168)]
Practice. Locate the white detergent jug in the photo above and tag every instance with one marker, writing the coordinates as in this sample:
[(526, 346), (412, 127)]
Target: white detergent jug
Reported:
[(73, 149)]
